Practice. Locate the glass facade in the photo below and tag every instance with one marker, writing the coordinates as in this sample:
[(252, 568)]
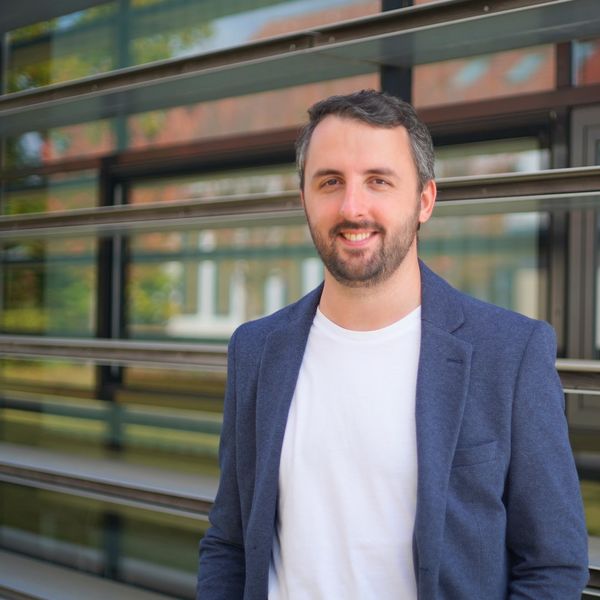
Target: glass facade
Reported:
[(120, 34), (484, 77), (49, 286), (586, 59), (497, 258), (103, 539), (165, 286)]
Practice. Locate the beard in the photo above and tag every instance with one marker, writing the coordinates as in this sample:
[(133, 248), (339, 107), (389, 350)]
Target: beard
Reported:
[(358, 269)]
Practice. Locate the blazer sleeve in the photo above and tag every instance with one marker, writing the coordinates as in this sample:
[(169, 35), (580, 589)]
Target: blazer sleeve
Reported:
[(546, 532), (221, 573)]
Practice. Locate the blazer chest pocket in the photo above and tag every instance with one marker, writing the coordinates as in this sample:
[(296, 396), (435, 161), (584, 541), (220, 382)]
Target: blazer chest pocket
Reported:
[(473, 455)]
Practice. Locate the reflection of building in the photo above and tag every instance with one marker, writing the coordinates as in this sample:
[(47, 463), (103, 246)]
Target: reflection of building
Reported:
[(107, 445)]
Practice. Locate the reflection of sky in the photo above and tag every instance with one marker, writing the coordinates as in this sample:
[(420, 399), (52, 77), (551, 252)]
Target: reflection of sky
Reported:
[(240, 28), (527, 67), (31, 145)]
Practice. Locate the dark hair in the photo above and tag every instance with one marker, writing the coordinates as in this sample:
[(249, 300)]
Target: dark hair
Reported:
[(378, 109)]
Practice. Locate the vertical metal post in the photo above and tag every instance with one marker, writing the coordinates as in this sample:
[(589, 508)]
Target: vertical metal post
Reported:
[(123, 59), (110, 324), (111, 537), (108, 312), (396, 80)]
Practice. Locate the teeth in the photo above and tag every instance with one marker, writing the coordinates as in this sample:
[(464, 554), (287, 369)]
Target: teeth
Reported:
[(356, 237)]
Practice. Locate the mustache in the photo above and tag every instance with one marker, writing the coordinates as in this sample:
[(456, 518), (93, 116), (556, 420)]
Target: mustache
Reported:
[(347, 225)]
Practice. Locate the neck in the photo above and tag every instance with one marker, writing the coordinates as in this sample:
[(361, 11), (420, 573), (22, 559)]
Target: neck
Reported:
[(369, 308)]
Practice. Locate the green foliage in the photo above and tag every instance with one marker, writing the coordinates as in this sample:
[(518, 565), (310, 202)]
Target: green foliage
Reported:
[(69, 299), (150, 294), (24, 320)]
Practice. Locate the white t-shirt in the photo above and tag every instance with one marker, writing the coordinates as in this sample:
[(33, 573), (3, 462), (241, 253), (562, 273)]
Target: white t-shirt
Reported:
[(348, 472)]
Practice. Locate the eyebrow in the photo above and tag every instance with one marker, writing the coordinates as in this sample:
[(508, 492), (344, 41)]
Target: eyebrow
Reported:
[(376, 171), (325, 172), (381, 171)]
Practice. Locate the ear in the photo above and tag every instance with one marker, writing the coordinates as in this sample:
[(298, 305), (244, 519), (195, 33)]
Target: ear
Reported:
[(428, 195), (302, 198)]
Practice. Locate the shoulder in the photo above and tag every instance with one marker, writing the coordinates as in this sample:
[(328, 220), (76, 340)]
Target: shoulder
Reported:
[(482, 322), (252, 334)]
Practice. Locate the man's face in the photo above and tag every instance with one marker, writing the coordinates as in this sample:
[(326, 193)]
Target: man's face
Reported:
[(362, 200)]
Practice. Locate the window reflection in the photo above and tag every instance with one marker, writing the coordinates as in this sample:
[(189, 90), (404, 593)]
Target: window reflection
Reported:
[(489, 157), (586, 59), (487, 76), (495, 258), (89, 139), (132, 32), (64, 48), (61, 191), (48, 286), (259, 112), (241, 182), (124, 543), (204, 284)]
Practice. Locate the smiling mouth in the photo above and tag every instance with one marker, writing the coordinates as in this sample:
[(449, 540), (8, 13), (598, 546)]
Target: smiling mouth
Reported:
[(356, 237)]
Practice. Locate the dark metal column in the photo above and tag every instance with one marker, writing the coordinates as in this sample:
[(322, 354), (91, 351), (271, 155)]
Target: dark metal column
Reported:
[(109, 378), (123, 59), (109, 307), (396, 80)]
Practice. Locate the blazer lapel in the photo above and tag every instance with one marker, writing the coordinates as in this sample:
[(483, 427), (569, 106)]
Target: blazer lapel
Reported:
[(442, 384), (280, 364)]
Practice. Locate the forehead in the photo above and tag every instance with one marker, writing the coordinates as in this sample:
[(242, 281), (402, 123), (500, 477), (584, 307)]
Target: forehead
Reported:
[(335, 138)]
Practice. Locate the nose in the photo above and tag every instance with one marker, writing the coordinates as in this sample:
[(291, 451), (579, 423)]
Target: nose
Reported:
[(353, 202)]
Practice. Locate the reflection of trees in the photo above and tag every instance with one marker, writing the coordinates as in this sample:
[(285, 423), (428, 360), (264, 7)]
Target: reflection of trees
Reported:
[(55, 300), (91, 42), (47, 296), (88, 42), (150, 296), (61, 49)]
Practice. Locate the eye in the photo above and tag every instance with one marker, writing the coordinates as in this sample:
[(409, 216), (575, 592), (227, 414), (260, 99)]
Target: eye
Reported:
[(330, 182), (379, 181)]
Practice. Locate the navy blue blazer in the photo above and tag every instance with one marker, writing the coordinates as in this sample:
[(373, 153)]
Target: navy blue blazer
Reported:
[(499, 512)]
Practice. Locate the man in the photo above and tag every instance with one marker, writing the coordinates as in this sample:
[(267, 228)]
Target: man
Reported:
[(387, 436)]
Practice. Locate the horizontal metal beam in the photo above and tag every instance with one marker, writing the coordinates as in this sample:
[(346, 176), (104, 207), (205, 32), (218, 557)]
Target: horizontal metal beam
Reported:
[(577, 375), (206, 357), (506, 185), (108, 480), (172, 503), (542, 190), (148, 216), (403, 37)]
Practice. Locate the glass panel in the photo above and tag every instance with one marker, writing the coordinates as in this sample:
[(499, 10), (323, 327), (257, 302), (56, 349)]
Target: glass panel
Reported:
[(489, 157), (162, 418), (266, 180), (584, 427), (64, 48), (62, 191), (49, 403), (168, 28), (203, 284), (245, 114), (586, 58), (48, 286), (131, 32), (74, 141), (496, 258), (114, 541), (486, 76), (171, 419)]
